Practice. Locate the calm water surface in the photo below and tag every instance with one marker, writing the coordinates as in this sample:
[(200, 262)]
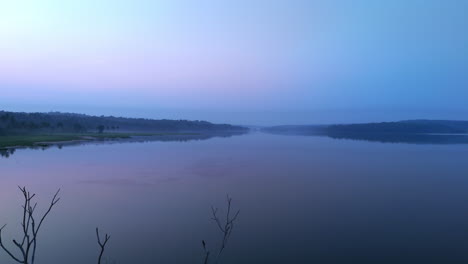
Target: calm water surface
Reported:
[(302, 200)]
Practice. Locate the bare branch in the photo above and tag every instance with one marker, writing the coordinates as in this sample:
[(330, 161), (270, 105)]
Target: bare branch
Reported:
[(6, 250), (207, 253), (28, 243), (225, 227), (55, 200), (101, 244)]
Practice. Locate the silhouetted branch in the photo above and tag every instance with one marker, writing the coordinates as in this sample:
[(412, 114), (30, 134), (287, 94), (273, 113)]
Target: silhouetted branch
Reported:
[(35, 230), (225, 227), (28, 244), (101, 244), (207, 253), (6, 250)]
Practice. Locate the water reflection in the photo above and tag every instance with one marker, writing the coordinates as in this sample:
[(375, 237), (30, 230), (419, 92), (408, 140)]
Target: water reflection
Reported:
[(302, 200), (8, 152), (405, 138), (431, 139)]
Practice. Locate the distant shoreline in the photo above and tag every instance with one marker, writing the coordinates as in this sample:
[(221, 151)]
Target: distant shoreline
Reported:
[(409, 131), (23, 141), (421, 126), (70, 126)]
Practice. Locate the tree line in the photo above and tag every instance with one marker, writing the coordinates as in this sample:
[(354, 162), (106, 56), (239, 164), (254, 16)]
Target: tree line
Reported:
[(56, 122)]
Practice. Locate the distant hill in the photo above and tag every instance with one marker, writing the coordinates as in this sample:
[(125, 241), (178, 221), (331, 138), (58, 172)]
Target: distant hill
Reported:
[(56, 122), (400, 127)]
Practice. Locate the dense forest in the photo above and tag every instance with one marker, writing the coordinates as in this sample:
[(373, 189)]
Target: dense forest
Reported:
[(56, 122)]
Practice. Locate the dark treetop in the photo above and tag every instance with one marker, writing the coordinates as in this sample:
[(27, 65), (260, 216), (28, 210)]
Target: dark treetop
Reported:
[(23, 123)]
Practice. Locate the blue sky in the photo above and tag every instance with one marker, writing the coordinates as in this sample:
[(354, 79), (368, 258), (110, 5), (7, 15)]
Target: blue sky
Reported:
[(244, 62)]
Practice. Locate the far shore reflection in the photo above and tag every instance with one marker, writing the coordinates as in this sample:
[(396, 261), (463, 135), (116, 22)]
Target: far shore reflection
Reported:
[(438, 139), (434, 139), (8, 152)]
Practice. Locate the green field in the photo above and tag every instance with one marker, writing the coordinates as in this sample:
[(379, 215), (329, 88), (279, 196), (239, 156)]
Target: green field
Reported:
[(39, 140)]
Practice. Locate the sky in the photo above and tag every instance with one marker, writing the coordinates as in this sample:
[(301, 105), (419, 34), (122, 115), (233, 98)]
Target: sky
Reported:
[(253, 62)]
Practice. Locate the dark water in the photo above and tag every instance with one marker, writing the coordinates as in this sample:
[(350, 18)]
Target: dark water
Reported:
[(302, 200)]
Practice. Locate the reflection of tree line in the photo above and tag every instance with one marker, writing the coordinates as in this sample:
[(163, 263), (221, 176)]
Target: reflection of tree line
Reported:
[(6, 153), (31, 225), (403, 138), (393, 137)]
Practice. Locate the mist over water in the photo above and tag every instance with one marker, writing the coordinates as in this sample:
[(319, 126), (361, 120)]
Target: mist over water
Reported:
[(147, 113), (302, 200)]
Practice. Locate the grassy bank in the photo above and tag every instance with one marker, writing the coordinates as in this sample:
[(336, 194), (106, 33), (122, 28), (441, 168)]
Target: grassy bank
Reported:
[(39, 140), (32, 140)]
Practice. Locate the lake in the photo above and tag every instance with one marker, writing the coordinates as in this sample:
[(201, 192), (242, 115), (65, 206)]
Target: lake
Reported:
[(302, 199)]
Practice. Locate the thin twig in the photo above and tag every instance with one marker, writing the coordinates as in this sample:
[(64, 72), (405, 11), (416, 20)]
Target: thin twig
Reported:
[(207, 253), (28, 243), (101, 244), (225, 227), (6, 250)]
